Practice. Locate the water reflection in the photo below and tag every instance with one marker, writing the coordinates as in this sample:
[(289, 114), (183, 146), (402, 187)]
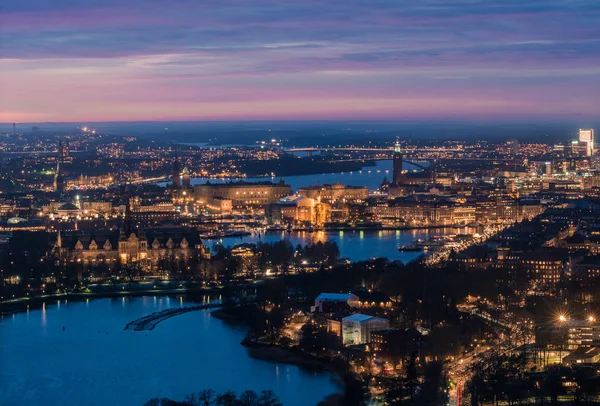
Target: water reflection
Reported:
[(357, 245), (135, 366), (44, 318)]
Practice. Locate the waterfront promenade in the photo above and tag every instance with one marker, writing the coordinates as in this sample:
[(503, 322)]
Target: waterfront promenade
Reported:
[(150, 321)]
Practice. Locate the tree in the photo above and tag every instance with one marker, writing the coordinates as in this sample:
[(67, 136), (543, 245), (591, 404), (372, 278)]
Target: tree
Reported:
[(315, 338), (433, 391), (206, 397), (354, 392), (228, 398), (248, 398), (268, 398), (276, 321), (411, 381)]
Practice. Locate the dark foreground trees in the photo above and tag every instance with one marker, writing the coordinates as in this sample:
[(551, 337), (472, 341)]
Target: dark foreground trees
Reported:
[(208, 397)]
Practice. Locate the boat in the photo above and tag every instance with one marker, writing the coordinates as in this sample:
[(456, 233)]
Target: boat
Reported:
[(410, 248), (276, 227)]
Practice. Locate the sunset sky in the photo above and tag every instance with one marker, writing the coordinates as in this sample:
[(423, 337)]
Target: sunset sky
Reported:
[(113, 60)]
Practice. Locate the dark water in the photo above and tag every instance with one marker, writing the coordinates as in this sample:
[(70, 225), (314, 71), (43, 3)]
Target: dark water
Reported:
[(95, 362), (354, 245)]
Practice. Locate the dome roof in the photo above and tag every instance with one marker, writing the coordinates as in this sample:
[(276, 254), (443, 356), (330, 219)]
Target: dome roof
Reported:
[(68, 206), (16, 220)]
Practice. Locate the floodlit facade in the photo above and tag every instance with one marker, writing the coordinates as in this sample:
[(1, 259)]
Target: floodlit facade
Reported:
[(587, 135), (357, 328)]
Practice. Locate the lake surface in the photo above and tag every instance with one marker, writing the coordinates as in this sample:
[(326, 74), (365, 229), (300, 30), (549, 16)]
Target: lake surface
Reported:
[(354, 245), (370, 176), (95, 362)]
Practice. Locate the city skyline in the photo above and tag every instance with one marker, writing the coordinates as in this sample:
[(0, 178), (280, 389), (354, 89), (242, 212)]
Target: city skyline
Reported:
[(122, 61)]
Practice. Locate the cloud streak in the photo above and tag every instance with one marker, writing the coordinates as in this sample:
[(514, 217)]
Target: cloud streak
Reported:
[(242, 56)]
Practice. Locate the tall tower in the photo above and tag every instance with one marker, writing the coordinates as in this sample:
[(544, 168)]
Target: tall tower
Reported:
[(587, 135), (186, 179), (59, 180), (176, 173), (14, 128), (397, 177)]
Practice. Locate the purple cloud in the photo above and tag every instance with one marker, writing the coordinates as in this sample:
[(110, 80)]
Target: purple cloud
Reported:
[(75, 54)]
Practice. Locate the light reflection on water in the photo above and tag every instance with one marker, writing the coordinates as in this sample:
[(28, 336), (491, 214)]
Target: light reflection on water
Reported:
[(356, 245), (94, 361)]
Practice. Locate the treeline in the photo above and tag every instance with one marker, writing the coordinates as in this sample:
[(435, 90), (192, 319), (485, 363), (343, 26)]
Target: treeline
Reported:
[(292, 166), (279, 257), (209, 397), (283, 253)]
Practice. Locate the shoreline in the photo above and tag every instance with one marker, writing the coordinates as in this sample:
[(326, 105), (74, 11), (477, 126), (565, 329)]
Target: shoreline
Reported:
[(277, 354), (20, 305), (281, 355)]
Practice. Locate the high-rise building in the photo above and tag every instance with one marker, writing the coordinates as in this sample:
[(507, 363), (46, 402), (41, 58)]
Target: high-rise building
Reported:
[(64, 152), (514, 146), (587, 135), (397, 170)]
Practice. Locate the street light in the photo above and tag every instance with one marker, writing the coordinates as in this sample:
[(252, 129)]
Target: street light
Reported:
[(591, 318), (561, 319)]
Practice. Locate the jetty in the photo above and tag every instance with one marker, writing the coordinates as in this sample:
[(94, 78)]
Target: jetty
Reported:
[(152, 320)]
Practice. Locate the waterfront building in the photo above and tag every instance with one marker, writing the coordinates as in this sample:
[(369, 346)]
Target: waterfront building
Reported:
[(357, 328), (146, 247), (243, 195), (336, 193), (298, 210), (397, 174)]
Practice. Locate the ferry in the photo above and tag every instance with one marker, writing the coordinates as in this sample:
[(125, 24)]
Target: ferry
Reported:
[(410, 247)]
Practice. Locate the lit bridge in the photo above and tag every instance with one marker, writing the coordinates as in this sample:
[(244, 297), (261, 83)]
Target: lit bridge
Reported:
[(369, 149)]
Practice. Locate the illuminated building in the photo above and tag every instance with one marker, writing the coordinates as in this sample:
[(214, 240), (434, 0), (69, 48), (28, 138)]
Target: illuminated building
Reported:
[(148, 247), (59, 179), (545, 268), (326, 302), (357, 328), (336, 193), (398, 176), (176, 173), (242, 194), (567, 333), (587, 136), (149, 212), (186, 178), (298, 209), (64, 151)]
